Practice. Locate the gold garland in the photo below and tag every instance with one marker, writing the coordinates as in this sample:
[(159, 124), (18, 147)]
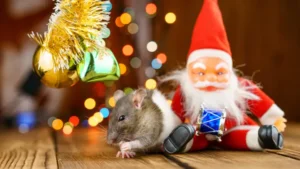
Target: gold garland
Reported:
[(72, 26)]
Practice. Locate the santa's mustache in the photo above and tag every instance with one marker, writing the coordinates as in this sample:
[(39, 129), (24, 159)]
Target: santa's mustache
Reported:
[(213, 84)]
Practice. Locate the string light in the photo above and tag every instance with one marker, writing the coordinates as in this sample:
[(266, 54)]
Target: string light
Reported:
[(127, 50), (135, 62), (104, 112), (125, 18), (119, 23), (57, 124), (133, 28), (99, 117), (151, 9), (156, 64), (161, 58), (152, 46), (150, 72), (128, 90), (74, 120), (150, 84), (170, 18), (112, 102), (90, 103), (123, 68), (67, 130), (93, 121)]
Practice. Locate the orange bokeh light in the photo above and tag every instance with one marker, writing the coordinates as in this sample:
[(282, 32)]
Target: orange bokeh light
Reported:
[(118, 22), (162, 58), (74, 120), (151, 8), (127, 50)]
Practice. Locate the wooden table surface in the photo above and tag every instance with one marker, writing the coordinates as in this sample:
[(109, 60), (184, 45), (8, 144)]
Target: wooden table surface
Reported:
[(86, 149)]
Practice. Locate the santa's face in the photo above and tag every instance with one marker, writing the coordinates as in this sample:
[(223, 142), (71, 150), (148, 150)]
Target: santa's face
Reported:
[(209, 74)]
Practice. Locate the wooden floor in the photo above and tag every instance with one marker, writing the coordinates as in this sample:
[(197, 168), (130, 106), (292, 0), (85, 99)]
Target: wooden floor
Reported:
[(86, 149)]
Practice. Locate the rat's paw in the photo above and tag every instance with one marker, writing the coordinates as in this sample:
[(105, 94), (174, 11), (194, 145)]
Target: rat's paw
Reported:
[(125, 146), (126, 154)]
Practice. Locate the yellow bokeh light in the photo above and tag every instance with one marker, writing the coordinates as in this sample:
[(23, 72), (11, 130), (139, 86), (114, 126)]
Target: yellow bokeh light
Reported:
[(93, 121), (89, 103), (151, 8), (67, 129), (127, 50), (170, 102), (98, 116), (112, 102), (170, 18), (57, 124), (150, 84), (118, 22), (125, 18), (123, 68)]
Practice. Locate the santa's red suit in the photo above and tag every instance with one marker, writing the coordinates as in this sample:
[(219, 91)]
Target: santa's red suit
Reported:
[(210, 39)]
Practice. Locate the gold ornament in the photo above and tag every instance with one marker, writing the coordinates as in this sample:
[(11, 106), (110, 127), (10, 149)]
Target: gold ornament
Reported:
[(43, 65), (73, 24)]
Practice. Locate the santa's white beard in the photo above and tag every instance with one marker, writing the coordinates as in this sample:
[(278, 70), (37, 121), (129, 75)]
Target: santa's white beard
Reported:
[(233, 98)]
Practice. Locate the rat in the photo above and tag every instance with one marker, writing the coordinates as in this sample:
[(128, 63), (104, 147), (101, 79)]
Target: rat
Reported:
[(140, 122)]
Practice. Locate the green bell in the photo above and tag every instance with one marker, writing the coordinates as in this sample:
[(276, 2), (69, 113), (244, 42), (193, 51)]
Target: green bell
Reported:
[(99, 66)]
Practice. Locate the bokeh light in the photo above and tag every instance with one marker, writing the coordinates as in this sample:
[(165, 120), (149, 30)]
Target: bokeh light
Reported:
[(99, 117), (170, 102), (161, 58), (151, 9), (57, 124), (127, 50), (93, 121), (89, 103), (152, 46), (85, 123), (50, 121), (128, 90), (135, 62), (24, 128), (156, 64), (133, 28), (130, 11), (150, 72), (104, 112), (74, 120), (111, 102), (150, 84), (107, 5), (119, 23), (67, 130), (170, 18), (125, 18), (123, 68)]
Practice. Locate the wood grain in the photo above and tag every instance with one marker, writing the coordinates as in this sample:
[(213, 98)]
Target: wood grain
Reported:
[(31, 150), (86, 148)]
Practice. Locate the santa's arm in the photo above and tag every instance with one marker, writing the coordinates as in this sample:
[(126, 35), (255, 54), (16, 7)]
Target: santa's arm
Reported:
[(177, 104), (264, 108)]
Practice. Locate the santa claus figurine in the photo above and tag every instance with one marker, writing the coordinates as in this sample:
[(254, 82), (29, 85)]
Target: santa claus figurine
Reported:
[(215, 101)]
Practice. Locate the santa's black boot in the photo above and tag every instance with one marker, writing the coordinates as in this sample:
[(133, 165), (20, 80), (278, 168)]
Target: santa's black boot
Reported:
[(269, 137), (178, 139)]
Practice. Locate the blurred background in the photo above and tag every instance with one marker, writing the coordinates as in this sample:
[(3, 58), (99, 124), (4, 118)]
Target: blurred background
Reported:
[(149, 39)]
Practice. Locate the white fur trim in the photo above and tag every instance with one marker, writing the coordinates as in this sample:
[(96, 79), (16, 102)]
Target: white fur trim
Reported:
[(242, 127), (271, 115), (170, 119), (252, 140), (210, 53), (188, 146)]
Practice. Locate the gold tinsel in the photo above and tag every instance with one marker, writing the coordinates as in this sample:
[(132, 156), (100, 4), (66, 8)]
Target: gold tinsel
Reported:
[(72, 27)]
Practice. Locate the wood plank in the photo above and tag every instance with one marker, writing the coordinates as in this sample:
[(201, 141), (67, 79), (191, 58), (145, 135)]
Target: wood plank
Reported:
[(87, 148), (34, 149)]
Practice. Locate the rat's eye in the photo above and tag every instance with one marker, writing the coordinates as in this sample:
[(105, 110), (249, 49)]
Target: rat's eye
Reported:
[(121, 118)]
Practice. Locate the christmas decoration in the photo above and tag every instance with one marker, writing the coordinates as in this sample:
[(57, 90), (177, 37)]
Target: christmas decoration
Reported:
[(75, 39), (215, 101)]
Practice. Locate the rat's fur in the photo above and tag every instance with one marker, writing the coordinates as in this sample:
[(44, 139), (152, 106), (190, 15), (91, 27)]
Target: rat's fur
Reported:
[(143, 127)]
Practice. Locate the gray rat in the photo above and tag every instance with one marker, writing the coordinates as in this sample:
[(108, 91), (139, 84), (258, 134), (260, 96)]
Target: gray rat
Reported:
[(140, 122)]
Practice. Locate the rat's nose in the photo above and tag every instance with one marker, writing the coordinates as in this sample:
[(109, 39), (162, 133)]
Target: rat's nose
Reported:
[(112, 138)]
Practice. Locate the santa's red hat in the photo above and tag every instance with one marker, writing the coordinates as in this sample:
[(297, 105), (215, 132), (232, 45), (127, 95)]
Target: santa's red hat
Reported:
[(209, 38)]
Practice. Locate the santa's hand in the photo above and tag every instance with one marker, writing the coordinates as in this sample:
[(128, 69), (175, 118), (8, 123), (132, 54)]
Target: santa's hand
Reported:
[(280, 124), (126, 154)]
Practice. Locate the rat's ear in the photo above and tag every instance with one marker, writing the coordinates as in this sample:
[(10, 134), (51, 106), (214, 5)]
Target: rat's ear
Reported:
[(118, 95), (138, 97)]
